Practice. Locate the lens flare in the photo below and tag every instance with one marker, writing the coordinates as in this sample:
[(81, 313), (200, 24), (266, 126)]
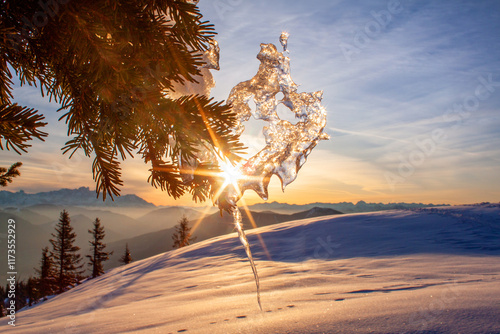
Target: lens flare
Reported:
[(231, 174)]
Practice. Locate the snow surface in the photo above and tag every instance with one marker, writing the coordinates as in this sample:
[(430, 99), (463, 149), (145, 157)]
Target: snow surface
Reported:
[(422, 271)]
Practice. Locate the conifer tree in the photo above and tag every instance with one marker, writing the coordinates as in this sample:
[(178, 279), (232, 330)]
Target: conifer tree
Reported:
[(19, 296), (66, 259), (182, 235), (31, 291), (46, 276), (3, 296), (111, 64), (98, 254), (24, 293), (126, 257)]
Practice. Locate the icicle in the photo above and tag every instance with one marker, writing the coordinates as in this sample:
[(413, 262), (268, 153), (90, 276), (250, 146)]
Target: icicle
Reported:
[(243, 238)]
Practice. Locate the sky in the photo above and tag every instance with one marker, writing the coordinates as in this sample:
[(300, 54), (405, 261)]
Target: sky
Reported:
[(411, 88)]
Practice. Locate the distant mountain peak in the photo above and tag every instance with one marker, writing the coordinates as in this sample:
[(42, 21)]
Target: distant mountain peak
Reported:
[(82, 196), (345, 207)]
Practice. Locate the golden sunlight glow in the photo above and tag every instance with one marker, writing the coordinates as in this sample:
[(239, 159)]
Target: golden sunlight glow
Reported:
[(230, 173)]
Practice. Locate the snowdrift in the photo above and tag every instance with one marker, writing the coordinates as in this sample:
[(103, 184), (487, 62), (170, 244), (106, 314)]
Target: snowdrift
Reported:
[(433, 270)]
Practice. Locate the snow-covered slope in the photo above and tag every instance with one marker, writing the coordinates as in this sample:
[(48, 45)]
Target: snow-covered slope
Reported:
[(432, 270)]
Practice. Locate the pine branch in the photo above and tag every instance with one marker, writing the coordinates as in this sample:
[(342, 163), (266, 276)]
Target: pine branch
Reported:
[(5, 75), (110, 73), (106, 173), (188, 25), (6, 176), (167, 178), (18, 125)]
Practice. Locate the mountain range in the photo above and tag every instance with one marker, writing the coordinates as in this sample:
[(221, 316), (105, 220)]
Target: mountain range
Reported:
[(81, 196), (345, 207)]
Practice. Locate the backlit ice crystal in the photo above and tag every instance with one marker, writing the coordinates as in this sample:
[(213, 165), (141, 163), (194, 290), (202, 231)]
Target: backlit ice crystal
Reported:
[(287, 145)]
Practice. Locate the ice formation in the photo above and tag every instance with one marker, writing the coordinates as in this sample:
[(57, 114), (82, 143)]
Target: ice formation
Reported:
[(287, 145), (284, 40)]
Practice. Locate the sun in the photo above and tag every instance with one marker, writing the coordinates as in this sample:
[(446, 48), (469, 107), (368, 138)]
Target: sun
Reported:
[(230, 173)]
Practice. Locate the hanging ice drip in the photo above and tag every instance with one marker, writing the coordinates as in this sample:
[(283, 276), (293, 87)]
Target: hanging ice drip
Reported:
[(287, 145)]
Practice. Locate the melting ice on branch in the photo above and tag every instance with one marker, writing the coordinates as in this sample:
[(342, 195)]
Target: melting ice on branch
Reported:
[(287, 145)]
